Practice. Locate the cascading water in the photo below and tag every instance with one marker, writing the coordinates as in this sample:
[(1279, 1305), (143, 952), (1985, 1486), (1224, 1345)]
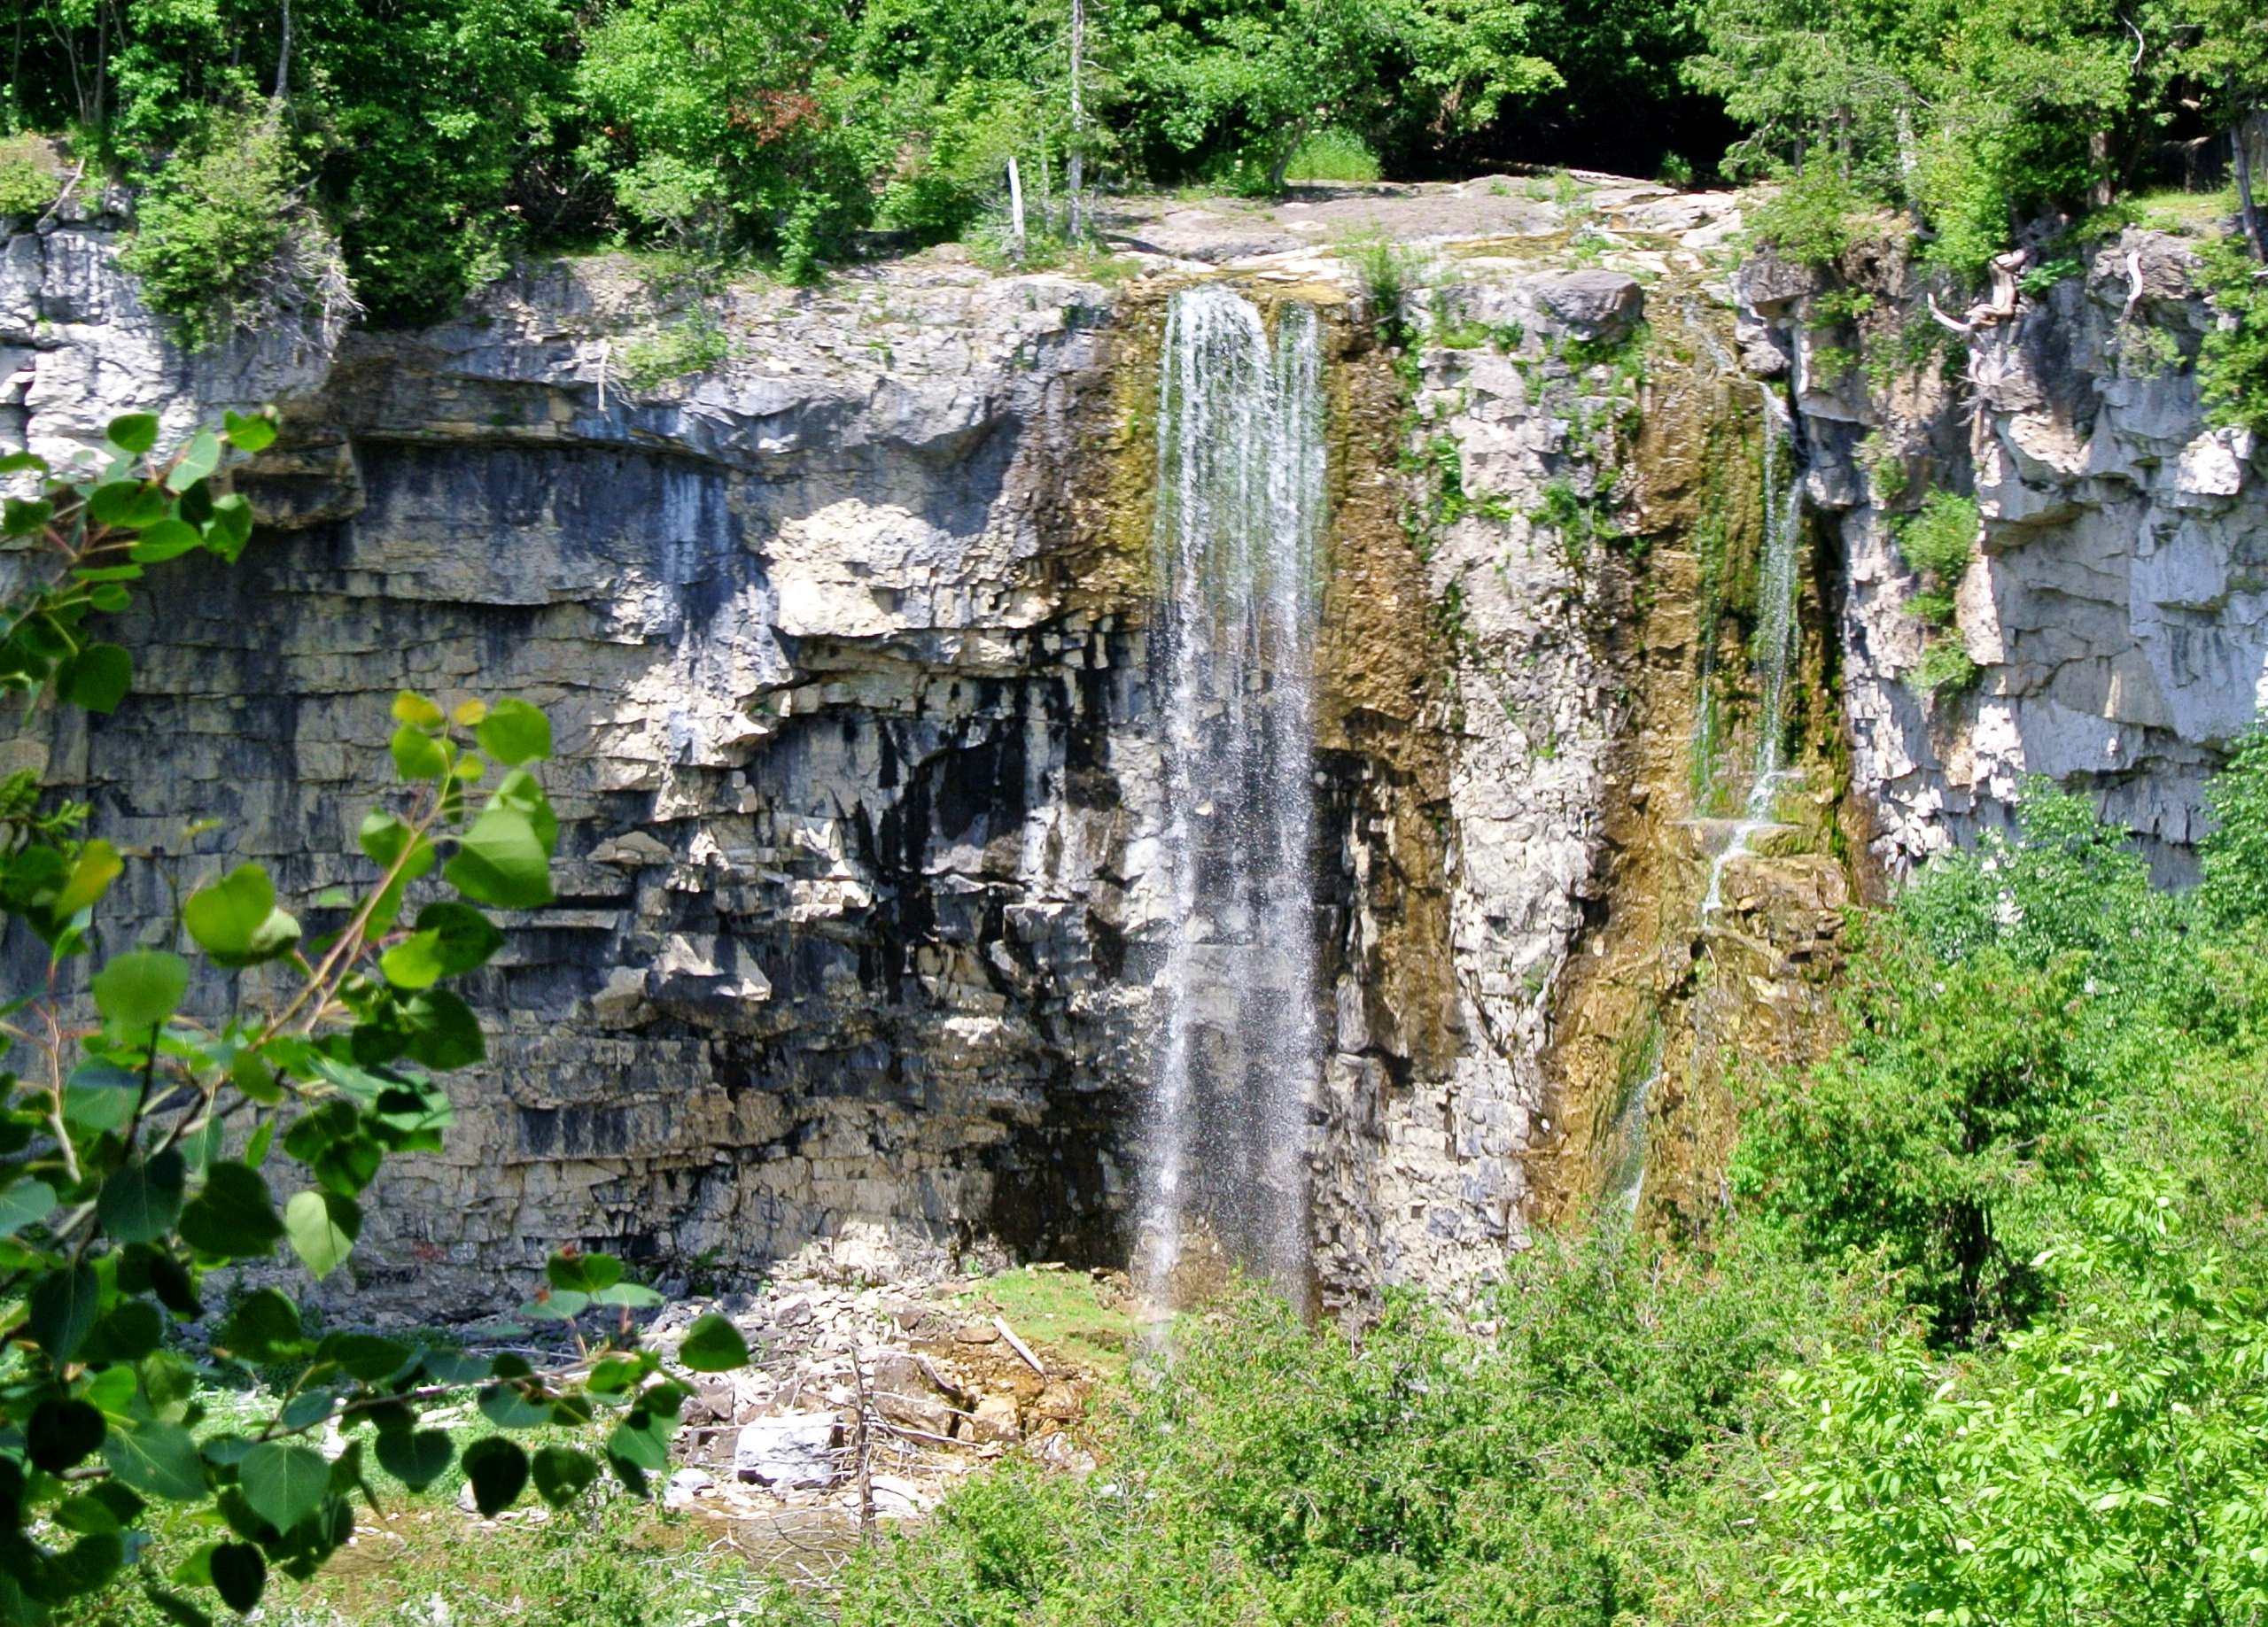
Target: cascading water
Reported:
[(1774, 652), (1238, 545), (1775, 645)]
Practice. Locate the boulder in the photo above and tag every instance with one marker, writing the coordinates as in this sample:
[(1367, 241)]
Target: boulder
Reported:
[(1595, 304), (906, 1392), (790, 1453), (994, 1422)]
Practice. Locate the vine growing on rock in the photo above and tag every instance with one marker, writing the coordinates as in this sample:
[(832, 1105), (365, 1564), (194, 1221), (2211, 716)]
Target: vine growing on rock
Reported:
[(147, 1123)]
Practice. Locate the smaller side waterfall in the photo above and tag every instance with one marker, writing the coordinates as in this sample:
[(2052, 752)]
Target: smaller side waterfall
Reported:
[(1773, 652), (1236, 547), (1775, 646)]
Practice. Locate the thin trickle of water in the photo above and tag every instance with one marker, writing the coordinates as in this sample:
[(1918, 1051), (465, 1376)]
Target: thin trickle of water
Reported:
[(1775, 647), (1238, 545), (1774, 652)]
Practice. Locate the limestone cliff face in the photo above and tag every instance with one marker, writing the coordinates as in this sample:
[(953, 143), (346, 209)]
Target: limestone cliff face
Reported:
[(861, 892), (2115, 611)]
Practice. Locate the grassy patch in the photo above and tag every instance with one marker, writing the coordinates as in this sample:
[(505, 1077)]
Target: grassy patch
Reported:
[(1063, 1311), (1333, 155)]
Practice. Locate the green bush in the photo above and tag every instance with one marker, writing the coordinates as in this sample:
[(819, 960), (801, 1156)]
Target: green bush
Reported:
[(1946, 665), (2233, 363), (695, 344), (1938, 543), (29, 181), (1812, 217), (222, 240), (1333, 155)]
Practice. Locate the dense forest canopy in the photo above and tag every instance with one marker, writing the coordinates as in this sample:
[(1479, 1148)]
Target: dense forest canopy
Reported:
[(432, 139)]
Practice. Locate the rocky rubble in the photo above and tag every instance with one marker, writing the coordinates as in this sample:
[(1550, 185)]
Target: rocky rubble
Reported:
[(868, 1402)]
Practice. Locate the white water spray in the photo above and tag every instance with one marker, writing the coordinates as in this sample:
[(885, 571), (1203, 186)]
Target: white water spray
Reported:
[(1237, 545)]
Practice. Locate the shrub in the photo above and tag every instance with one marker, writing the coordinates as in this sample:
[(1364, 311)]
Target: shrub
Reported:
[(1389, 271), (695, 344), (1333, 155), (2235, 854), (223, 240), (1945, 666), (29, 179), (1938, 543), (1811, 219), (2233, 363)]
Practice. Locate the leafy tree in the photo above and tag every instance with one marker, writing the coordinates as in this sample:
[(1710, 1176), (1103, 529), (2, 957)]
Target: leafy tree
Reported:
[(144, 1126), (724, 126), (2110, 1466)]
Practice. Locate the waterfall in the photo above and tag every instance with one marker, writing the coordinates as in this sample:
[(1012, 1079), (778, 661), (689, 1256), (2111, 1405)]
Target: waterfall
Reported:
[(1775, 647), (1773, 652), (1237, 545)]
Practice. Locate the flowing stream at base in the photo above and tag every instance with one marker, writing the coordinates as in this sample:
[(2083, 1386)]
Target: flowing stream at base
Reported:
[(1774, 653), (1236, 545)]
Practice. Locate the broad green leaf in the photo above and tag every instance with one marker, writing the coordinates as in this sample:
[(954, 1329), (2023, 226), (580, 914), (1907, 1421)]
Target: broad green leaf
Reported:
[(322, 1227), (159, 1460), (505, 1406), (520, 792), (462, 937), (166, 540), (129, 1331), (557, 1305), (414, 963), (63, 1433), (264, 1328), (643, 1439), (230, 526), (498, 1470), (140, 1202), (416, 1459), (235, 919), (500, 861), (384, 835), (23, 1204), (198, 460), (133, 432), (713, 1345), (96, 677), (234, 1217), (514, 733), (21, 516), (417, 755), (443, 1031), (140, 987), (16, 462), (59, 1312), (579, 1271), (250, 1073), (637, 1296), (239, 1574), (285, 1484), (562, 1474), (256, 433), (128, 505), (97, 866), (416, 710), (364, 1355)]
